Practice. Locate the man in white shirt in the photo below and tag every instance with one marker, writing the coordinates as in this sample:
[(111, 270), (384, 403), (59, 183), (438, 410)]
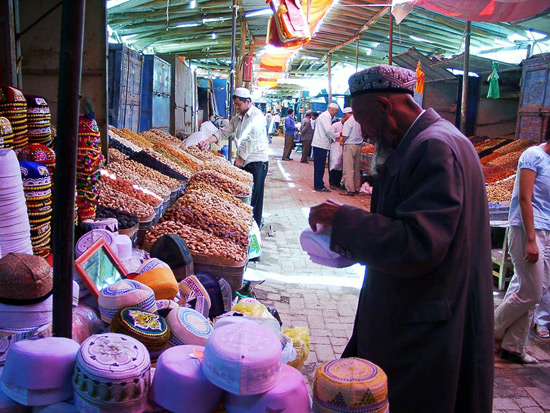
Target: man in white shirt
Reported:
[(276, 122), (336, 153), (249, 127), (322, 138), (352, 139)]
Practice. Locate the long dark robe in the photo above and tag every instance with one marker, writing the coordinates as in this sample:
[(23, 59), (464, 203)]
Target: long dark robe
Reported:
[(425, 312)]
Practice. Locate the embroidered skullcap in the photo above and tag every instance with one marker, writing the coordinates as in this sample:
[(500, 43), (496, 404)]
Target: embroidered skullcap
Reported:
[(347, 110), (24, 279), (333, 106), (382, 78)]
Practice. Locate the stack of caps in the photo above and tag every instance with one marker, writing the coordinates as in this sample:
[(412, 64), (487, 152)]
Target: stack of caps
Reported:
[(38, 194), (243, 358), (13, 106), (38, 120), (26, 283), (112, 373), (6, 133), (350, 384), (39, 154), (15, 233), (194, 295), (38, 372), (179, 385), (88, 162), (124, 294), (161, 279), (188, 326), (146, 327)]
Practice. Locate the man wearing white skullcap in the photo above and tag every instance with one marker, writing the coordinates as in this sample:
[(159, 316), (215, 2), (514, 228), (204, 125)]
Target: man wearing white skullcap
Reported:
[(249, 127), (425, 312), (322, 138)]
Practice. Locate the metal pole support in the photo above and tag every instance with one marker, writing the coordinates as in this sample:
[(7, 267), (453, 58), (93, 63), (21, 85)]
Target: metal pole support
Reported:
[(70, 72)]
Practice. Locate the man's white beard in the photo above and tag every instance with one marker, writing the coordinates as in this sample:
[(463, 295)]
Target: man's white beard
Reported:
[(381, 153)]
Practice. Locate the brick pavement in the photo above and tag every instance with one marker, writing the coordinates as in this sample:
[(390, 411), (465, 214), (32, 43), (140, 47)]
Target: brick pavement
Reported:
[(325, 299)]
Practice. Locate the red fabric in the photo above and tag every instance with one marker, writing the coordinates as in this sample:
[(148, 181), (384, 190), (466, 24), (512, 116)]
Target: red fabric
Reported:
[(486, 10)]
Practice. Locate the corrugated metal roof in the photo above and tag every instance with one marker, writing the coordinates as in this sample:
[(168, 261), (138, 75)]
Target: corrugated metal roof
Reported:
[(409, 60)]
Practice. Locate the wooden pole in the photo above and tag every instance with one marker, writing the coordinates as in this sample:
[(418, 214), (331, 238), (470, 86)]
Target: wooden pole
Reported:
[(465, 80), (232, 75), (356, 54), (240, 67), (390, 52), (329, 79), (70, 73)]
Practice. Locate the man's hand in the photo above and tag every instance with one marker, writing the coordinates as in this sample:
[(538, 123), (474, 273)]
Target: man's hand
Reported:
[(239, 162), (323, 214), (205, 143), (531, 252)]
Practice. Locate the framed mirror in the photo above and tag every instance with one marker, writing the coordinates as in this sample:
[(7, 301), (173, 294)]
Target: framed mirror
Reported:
[(99, 267)]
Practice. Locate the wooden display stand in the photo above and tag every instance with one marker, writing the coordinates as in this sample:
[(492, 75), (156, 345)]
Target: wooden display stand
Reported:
[(501, 258)]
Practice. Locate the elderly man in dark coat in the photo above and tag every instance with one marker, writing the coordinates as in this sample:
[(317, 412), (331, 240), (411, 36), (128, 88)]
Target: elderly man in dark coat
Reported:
[(425, 309)]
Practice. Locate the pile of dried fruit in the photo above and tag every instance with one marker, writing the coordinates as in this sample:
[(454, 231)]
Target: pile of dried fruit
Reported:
[(111, 198), (126, 187), (201, 186), (496, 173), (182, 158), (122, 144), (224, 167), (158, 136), (151, 174), (123, 172), (507, 161), (222, 182), (198, 241), (487, 144), (116, 156), (133, 137), (517, 145), (154, 160), (368, 149), (501, 191), (203, 155), (208, 214)]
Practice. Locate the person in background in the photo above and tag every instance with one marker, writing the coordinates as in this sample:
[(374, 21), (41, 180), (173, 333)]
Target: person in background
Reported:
[(276, 122), (269, 125), (336, 155), (290, 131), (352, 141), (322, 138), (306, 135), (249, 127), (529, 242), (425, 312)]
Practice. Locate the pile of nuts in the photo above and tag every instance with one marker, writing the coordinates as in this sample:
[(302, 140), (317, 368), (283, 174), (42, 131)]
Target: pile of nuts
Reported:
[(124, 219), (121, 171), (203, 155), (126, 187), (501, 191), (111, 198), (158, 136), (222, 182), (201, 186), (214, 201), (169, 163), (517, 145), (134, 137), (189, 160), (507, 161), (487, 144), (199, 242), (151, 174), (224, 167), (113, 136), (203, 213), (368, 149), (116, 156)]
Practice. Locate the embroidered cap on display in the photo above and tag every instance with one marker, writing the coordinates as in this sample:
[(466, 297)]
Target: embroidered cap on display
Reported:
[(188, 326), (350, 383), (123, 294), (24, 279)]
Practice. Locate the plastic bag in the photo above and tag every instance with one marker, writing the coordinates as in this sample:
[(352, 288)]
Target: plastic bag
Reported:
[(252, 308), (300, 340), (336, 156)]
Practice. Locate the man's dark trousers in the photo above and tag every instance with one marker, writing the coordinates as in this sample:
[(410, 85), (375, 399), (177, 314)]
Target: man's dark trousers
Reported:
[(319, 164), (259, 172)]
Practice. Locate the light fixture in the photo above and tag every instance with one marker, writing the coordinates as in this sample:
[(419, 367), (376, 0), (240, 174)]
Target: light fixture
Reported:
[(192, 4), (420, 39), (213, 35), (258, 13), (187, 25), (215, 19)]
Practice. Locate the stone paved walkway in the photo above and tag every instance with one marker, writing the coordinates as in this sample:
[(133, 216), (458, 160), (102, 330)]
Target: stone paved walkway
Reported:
[(325, 299)]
